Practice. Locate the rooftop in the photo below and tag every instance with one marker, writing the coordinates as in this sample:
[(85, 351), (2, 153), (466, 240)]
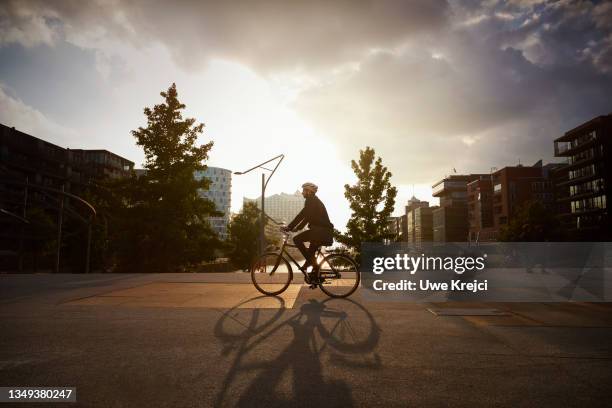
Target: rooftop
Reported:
[(573, 133)]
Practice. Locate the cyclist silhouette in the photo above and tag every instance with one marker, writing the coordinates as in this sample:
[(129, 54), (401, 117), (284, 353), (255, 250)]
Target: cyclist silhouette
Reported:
[(320, 229)]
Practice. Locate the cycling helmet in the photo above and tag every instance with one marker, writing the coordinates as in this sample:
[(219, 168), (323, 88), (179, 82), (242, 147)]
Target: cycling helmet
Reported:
[(310, 186)]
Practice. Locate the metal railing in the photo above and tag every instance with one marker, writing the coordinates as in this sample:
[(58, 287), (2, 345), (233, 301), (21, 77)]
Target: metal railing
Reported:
[(60, 200)]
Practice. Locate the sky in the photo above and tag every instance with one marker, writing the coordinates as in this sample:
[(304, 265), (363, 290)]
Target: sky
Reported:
[(432, 85)]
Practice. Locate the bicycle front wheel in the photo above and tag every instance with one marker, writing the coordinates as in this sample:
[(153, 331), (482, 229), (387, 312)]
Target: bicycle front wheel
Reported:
[(271, 274), (340, 275)]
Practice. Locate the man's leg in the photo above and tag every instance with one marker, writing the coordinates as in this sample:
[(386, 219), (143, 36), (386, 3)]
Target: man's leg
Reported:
[(310, 253), (319, 236), (299, 240)]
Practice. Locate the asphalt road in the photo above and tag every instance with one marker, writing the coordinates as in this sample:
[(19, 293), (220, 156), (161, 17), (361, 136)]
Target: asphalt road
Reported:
[(306, 350)]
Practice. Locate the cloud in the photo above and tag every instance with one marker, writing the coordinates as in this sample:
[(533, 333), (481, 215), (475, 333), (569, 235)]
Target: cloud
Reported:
[(432, 84), (28, 26), (267, 35), (15, 113), (472, 98)]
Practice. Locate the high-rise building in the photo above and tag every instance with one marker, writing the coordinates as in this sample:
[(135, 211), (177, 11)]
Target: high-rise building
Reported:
[(450, 220), (585, 180), (407, 219), (219, 192), (416, 203), (282, 207), (394, 228), (420, 225)]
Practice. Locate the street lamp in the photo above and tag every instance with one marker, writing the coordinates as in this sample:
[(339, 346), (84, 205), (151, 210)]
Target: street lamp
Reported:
[(264, 184)]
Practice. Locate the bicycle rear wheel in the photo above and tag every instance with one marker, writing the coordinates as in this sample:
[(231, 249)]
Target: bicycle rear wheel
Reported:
[(340, 275), (271, 274)]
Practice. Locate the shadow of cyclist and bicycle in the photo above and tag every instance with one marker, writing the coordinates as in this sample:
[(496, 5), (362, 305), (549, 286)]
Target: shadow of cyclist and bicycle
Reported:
[(280, 356)]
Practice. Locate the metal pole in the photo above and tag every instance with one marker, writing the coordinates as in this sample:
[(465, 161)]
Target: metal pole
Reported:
[(59, 232), (262, 217), (24, 213), (88, 253), (25, 198), (264, 183)]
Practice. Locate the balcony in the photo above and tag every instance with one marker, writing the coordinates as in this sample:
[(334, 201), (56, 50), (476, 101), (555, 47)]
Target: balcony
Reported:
[(446, 186), (561, 148), (566, 148), (576, 196)]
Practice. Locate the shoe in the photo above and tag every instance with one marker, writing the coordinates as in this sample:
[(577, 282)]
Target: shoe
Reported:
[(313, 277)]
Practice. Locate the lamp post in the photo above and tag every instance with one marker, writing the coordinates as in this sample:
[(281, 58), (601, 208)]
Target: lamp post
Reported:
[(264, 184)]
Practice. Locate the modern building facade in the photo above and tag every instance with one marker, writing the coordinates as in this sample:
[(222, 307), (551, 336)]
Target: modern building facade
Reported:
[(584, 183), (394, 228), (450, 220), (480, 210), (100, 164), (282, 207), (416, 203), (514, 186), (219, 192), (33, 172), (407, 220), (42, 163), (420, 225), (403, 228)]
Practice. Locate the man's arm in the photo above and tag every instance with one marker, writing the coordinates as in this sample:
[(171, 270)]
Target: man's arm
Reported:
[(299, 219), (301, 225)]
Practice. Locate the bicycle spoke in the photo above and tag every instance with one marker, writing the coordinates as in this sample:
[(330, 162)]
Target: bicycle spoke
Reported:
[(271, 274), (341, 275)]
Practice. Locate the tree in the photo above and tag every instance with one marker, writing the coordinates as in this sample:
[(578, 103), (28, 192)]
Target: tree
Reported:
[(371, 199), (243, 236), (533, 222), (163, 219)]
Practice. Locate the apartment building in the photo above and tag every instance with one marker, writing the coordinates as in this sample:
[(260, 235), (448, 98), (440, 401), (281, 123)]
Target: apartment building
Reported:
[(584, 183), (450, 220), (513, 186), (219, 192)]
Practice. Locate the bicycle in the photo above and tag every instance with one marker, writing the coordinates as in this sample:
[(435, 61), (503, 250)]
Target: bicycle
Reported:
[(272, 273)]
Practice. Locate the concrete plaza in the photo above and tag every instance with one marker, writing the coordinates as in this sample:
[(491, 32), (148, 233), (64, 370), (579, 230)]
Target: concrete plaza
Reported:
[(200, 340)]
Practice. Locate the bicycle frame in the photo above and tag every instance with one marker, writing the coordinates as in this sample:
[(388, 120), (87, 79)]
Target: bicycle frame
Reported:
[(283, 252)]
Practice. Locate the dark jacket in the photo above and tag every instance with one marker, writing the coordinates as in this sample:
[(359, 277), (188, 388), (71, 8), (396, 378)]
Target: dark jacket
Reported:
[(314, 214)]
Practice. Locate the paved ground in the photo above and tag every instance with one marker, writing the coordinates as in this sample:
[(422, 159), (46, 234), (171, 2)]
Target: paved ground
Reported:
[(183, 340)]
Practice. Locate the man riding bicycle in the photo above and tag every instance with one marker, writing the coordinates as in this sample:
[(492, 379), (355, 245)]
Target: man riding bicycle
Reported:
[(320, 229)]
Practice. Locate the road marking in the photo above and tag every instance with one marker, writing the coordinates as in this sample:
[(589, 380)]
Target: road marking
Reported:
[(467, 312)]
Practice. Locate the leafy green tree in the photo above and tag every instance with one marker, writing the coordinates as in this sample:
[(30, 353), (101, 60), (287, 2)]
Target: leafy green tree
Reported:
[(533, 222), (371, 199), (162, 218), (243, 236)]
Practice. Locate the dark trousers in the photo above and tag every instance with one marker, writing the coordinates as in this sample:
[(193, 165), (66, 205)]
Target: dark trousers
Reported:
[(316, 236)]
